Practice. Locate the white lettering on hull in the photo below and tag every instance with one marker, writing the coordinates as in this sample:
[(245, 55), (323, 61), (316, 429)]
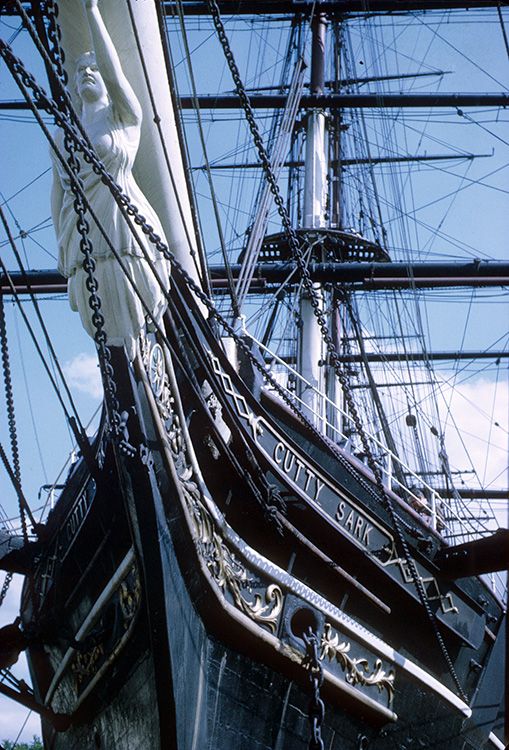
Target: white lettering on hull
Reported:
[(305, 478)]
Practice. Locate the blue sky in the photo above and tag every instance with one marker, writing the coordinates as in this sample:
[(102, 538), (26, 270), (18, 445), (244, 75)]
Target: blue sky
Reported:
[(473, 223)]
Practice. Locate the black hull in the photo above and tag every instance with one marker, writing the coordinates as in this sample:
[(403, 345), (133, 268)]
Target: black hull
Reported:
[(195, 601)]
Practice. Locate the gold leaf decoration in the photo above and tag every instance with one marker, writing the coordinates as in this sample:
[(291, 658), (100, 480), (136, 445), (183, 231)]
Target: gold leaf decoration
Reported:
[(357, 671), (225, 569)]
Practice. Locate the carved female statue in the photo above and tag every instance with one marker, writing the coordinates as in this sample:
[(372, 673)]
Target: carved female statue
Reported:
[(111, 116)]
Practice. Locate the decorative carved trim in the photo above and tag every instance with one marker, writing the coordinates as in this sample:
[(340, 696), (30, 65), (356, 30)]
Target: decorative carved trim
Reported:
[(86, 665), (357, 670), (125, 601), (260, 602), (362, 525), (447, 603), (226, 570), (229, 574)]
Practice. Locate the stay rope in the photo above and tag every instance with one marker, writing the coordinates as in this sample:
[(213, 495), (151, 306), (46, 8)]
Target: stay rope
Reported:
[(63, 120), (334, 358)]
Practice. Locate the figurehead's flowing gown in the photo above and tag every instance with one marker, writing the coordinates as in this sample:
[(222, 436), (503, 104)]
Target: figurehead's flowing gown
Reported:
[(121, 306)]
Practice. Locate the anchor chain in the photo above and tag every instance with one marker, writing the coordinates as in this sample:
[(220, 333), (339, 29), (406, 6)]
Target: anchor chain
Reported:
[(92, 286), (12, 434), (316, 708), (11, 418), (55, 48), (290, 232), (334, 359), (58, 58), (5, 587), (133, 213)]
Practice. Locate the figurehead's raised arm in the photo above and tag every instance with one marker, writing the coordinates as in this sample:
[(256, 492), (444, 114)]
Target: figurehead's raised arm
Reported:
[(119, 89)]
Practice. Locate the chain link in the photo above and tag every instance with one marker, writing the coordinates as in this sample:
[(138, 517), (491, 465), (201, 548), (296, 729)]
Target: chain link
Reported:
[(291, 234), (334, 358), (316, 708), (92, 286), (5, 587), (55, 50), (64, 105), (138, 219), (82, 225), (11, 418)]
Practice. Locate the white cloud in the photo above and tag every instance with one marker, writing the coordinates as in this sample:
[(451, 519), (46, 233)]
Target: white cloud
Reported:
[(83, 374), (479, 410)]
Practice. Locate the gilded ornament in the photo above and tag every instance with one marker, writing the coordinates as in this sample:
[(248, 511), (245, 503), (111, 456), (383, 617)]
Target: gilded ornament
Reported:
[(85, 664), (229, 574), (357, 671)]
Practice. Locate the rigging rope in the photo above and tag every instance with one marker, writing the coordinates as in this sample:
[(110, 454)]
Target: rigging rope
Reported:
[(130, 210), (200, 265), (502, 26), (36, 342), (40, 319), (215, 206), (298, 254)]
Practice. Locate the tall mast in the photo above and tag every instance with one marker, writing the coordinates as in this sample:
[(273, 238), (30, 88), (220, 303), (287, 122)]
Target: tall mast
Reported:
[(315, 164), (315, 186), (334, 392)]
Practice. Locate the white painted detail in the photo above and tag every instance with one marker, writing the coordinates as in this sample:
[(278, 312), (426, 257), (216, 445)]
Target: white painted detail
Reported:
[(311, 353), (496, 742), (230, 349), (135, 135), (92, 616), (315, 176), (346, 623)]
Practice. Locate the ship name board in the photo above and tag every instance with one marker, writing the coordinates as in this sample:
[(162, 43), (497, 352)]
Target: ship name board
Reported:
[(346, 515), (354, 523), (357, 524)]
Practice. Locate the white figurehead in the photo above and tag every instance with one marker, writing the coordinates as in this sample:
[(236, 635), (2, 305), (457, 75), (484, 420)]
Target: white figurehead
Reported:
[(111, 116)]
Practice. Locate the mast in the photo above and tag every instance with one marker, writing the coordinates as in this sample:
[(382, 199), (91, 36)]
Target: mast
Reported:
[(315, 176), (334, 393)]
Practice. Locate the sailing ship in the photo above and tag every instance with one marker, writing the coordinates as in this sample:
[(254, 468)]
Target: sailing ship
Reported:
[(263, 543)]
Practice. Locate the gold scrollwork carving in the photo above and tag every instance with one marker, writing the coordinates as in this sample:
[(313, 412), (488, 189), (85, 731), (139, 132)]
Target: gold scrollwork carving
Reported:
[(152, 355), (229, 574), (226, 570), (85, 664), (357, 671), (130, 596)]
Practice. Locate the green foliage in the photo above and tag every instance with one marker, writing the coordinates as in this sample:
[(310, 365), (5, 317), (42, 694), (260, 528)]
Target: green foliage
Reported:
[(36, 744)]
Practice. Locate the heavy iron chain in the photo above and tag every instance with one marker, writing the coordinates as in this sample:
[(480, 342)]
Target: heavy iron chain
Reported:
[(56, 52), (133, 216), (9, 397), (293, 241), (12, 433), (58, 59), (316, 709), (334, 358), (11, 417), (93, 287), (86, 249), (129, 210), (5, 587)]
